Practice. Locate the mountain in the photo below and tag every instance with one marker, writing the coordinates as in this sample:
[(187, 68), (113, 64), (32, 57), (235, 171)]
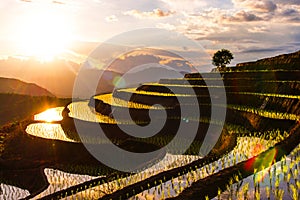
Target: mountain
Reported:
[(14, 86), (59, 76), (56, 76), (146, 56), (94, 81)]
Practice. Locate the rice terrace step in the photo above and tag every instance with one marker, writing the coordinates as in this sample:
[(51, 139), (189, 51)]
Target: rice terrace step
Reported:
[(260, 135)]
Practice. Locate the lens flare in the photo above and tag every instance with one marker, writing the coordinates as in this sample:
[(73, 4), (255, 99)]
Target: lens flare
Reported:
[(264, 161)]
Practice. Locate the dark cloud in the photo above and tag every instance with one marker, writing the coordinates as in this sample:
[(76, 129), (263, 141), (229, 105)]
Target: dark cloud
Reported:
[(294, 19), (292, 2), (257, 5), (290, 15), (222, 38), (243, 16), (294, 44), (263, 50), (249, 41), (290, 12), (267, 6)]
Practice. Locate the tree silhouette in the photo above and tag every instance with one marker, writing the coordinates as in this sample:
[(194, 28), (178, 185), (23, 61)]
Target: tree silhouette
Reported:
[(222, 57)]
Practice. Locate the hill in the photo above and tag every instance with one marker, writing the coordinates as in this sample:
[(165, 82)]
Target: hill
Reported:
[(50, 75), (15, 86), (289, 61), (15, 107)]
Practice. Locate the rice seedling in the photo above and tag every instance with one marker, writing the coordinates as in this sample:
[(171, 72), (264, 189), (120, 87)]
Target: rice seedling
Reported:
[(48, 131), (271, 183), (270, 95), (246, 146), (82, 111), (113, 101), (142, 92), (265, 113)]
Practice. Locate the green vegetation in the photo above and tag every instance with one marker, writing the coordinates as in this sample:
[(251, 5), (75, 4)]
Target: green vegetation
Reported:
[(222, 57)]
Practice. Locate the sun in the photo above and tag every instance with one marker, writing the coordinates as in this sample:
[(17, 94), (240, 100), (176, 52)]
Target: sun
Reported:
[(44, 36)]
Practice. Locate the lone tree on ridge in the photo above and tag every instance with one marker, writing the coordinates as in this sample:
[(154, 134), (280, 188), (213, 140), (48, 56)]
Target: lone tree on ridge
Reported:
[(221, 58)]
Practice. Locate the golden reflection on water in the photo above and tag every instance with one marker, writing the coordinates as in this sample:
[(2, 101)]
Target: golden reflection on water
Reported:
[(81, 110), (50, 115), (48, 131)]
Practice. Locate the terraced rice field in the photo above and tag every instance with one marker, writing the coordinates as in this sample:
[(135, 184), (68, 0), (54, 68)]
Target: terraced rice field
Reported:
[(261, 129), (82, 111)]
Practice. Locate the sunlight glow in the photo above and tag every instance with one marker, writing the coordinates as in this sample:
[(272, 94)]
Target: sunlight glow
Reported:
[(50, 115), (43, 35)]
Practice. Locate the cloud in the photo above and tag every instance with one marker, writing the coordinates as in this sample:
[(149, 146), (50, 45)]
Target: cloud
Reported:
[(258, 29), (187, 5), (290, 12), (111, 18), (290, 2), (262, 50), (54, 2), (243, 16), (257, 5), (294, 19), (27, 1), (58, 2), (265, 6), (156, 13), (166, 26)]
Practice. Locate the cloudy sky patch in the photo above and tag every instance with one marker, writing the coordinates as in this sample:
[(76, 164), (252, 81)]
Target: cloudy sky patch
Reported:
[(251, 29)]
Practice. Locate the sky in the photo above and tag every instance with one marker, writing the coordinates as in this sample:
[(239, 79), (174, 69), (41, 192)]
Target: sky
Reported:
[(251, 29)]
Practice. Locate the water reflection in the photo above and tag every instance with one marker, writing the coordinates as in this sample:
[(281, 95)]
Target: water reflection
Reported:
[(81, 110), (50, 115), (48, 131)]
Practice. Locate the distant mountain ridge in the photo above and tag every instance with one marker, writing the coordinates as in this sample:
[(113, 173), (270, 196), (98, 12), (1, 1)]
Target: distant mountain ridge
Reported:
[(56, 76), (15, 86)]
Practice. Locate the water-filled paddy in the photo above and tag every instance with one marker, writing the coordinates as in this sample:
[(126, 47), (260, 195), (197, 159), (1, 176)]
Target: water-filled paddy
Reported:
[(52, 114), (47, 131), (246, 148), (82, 111)]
